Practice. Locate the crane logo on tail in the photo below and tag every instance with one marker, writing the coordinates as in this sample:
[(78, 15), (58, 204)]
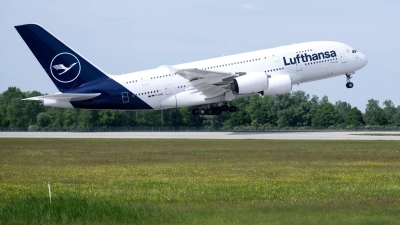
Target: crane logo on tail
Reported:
[(70, 73), (62, 67)]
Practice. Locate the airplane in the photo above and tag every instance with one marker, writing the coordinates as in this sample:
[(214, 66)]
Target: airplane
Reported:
[(209, 84)]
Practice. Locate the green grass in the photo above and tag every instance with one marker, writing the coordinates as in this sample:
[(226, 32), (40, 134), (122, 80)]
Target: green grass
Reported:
[(130, 181)]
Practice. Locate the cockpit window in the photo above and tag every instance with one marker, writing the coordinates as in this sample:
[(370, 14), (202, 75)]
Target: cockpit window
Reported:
[(354, 51)]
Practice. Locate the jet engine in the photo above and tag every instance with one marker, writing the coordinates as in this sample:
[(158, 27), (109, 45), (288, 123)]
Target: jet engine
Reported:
[(278, 84), (250, 83)]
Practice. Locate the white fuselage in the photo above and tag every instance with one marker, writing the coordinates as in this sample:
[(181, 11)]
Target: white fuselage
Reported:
[(302, 62)]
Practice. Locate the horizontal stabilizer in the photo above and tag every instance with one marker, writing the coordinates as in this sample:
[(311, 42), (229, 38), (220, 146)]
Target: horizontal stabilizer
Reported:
[(71, 97)]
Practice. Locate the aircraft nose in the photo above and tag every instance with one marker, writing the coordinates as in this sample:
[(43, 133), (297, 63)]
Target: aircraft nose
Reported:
[(363, 58)]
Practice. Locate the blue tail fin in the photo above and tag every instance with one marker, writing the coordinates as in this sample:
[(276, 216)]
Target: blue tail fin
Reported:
[(66, 68)]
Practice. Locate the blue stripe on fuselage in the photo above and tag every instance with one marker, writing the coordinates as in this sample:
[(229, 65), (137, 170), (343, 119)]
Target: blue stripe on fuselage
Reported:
[(110, 98)]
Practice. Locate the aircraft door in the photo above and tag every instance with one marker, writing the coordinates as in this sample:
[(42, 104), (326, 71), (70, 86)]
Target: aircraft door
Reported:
[(168, 90), (125, 97), (275, 56), (144, 80), (343, 58)]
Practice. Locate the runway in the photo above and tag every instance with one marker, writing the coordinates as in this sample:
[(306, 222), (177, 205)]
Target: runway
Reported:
[(209, 135)]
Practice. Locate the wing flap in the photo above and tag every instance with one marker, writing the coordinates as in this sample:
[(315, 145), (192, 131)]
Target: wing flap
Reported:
[(214, 94), (209, 83), (194, 73)]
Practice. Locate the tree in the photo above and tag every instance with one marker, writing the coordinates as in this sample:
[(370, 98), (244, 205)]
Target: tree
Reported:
[(12, 93), (374, 114), (188, 119), (309, 109), (396, 117), (326, 114), (3, 112), (150, 118), (86, 118), (291, 109), (70, 117), (172, 117), (31, 109), (56, 115), (11, 101), (354, 117), (43, 119), (300, 111), (242, 117), (107, 118), (288, 117), (389, 110), (15, 115), (259, 111), (343, 108)]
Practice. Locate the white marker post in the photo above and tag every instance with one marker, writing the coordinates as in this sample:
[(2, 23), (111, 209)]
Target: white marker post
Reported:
[(48, 185)]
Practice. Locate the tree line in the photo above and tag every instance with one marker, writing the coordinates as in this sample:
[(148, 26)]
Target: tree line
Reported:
[(295, 109)]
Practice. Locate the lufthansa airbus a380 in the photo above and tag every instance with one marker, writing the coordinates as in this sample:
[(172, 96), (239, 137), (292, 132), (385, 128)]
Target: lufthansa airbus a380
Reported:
[(203, 83)]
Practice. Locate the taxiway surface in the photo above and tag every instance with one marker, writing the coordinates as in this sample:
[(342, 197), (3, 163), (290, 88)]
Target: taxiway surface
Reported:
[(209, 135)]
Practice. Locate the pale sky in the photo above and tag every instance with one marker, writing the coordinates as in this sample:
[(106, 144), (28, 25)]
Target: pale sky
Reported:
[(124, 36)]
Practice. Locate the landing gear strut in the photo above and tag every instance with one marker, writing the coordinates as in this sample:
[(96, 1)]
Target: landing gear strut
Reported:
[(349, 84)]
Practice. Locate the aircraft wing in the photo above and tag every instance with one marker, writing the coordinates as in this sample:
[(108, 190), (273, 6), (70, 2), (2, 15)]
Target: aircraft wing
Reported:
[(209, 83), (71, 97)]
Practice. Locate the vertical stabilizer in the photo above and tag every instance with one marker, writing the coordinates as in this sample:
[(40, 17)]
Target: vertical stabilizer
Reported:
[(65, 67)]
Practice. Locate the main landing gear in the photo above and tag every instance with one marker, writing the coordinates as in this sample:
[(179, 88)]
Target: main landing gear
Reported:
[(349, 84), (213, 110)]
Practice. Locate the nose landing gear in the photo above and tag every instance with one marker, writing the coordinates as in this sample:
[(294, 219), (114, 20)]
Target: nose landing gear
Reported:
[(349, 84)]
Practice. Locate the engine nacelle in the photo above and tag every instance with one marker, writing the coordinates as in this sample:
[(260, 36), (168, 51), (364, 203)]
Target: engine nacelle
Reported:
[(278, 84), (250, 83)]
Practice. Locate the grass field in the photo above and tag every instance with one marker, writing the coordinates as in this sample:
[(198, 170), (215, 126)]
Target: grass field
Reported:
[(130, 181)]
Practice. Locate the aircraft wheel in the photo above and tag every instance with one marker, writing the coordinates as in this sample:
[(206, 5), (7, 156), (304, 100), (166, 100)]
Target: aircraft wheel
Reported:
[(350, 85), (232, 108), (202, 112), (217, 111), (195, 111)]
